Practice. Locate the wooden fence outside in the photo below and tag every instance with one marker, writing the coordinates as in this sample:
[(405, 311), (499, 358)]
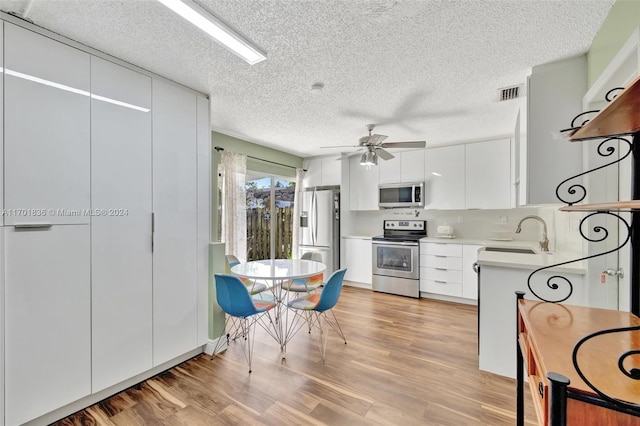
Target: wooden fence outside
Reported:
[(259, 233)]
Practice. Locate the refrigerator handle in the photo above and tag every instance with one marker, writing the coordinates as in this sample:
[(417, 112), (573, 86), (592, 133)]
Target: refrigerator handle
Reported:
[(315, 218)]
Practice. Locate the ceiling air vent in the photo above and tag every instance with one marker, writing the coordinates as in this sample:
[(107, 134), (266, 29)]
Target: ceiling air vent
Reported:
[(508, 93)]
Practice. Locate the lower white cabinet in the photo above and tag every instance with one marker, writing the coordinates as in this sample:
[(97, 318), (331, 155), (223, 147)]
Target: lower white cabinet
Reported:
[(469, 274), (497, 311), (447, 269), (47, 318), (358, 256), (441, 269)]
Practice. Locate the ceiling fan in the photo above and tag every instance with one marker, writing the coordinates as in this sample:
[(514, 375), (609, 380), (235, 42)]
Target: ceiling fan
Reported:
[(374, 147)]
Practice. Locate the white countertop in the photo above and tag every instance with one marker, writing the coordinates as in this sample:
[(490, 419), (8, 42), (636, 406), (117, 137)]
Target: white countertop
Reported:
[(532, 261), (517, 260)]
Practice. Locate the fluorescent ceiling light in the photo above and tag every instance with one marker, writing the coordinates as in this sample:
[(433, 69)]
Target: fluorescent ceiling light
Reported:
[(220, 32), (71, 89)]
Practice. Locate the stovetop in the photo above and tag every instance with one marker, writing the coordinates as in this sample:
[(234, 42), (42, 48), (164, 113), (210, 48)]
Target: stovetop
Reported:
[(403, 230)]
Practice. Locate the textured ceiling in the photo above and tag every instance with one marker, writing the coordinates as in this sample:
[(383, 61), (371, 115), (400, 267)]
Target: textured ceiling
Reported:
[(422, 70)]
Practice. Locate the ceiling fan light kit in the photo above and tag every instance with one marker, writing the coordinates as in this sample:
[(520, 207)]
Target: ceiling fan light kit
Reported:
[(369, 159)]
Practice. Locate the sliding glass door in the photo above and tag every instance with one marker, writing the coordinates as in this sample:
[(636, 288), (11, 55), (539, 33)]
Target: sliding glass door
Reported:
[(269, 216)]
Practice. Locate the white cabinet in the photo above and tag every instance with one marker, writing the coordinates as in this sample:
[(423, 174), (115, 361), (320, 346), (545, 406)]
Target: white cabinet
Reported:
[(441, 269), (488, 175), (324, 171), (412, 166), (358, 256), (363, 186), (48, 319), (554, 95), (389, 169), (47, 130), (497, 311), (175, 291), (406, 166), (203, 140), (469, 275), (121, 264), (445, 177)]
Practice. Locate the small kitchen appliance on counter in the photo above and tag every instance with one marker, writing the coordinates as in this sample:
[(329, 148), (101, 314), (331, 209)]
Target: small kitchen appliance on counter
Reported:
[(396, 257)]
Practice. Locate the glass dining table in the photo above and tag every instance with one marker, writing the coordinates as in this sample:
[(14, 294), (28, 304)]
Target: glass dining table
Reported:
[(278, 271)]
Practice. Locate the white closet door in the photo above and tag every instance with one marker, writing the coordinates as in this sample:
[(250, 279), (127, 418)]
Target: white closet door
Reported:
[(1, 241), (204, 216), (175, 308), (47, 318), (47, 130), (121, 264)]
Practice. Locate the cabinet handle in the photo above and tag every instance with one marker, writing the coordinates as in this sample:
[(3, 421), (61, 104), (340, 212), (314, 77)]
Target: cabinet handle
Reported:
[(441, 282), (33, 225), (440, 255), (441, 269), (540, 389), (153, 231)]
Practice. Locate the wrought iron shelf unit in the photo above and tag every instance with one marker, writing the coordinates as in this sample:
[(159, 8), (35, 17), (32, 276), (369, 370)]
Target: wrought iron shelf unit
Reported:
[(633, 205), (619, 125)]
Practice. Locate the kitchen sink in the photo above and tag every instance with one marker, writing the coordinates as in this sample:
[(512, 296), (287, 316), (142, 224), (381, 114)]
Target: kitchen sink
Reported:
[(511, 250)]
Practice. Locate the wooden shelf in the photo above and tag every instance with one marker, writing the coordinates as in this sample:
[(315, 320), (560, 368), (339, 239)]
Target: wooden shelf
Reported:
[(615, 206), (620, 117)]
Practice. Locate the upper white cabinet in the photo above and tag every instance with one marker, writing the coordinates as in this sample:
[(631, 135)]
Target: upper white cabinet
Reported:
[(48, 319), (47, 130), (445, 177), (488, 175), (175, 307), (363, 186), (406, 166), (324, 171), (413, 166), (389, 170), (554, 96), (121, 264)]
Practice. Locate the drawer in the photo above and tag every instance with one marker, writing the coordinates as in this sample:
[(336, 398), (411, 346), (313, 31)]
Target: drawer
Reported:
[(441, 274), (441, 287), (441, 262), (441, 249)]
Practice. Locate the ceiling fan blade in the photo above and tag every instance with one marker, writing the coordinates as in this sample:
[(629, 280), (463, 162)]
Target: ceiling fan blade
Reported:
[(376, 139), (385, 155), (341, 146), (408, 144)]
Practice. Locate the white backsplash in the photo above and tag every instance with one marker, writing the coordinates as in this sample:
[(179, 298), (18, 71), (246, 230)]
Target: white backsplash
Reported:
[(479, 224)]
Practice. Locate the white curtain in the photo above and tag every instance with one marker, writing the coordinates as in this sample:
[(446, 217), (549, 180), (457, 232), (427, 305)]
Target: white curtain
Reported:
[(297, 208), (234, 204)]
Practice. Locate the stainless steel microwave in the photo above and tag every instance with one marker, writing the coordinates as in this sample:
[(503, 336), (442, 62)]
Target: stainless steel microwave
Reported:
[(394, 195)]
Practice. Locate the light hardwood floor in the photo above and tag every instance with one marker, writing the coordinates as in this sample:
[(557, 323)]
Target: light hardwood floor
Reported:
[(407, 362)]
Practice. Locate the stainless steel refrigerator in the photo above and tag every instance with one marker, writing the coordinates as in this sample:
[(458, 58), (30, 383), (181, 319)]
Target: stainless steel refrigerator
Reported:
[(320, 225)]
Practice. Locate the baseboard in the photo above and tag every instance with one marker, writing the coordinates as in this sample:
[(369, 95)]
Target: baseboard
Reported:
[(448, 298), (218, 345), (89, 400)]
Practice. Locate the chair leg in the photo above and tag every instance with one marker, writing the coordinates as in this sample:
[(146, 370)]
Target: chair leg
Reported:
[(248, 340), (323, 335), (337, 327)]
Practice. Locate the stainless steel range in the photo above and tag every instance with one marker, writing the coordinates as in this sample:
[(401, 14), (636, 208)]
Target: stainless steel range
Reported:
[(396, 257)]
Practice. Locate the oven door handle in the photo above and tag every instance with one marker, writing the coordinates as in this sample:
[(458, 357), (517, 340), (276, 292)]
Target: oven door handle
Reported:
[(395, 243)]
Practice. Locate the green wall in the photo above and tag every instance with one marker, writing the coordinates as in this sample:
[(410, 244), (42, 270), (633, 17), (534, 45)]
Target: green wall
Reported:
[(620, 23)]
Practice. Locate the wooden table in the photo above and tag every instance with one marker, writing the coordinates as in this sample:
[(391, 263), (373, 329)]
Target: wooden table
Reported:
[(278, 271), (547, 335)]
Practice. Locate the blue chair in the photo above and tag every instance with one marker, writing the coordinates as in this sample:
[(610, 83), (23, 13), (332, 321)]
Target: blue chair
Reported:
[(318, 305), (234, 299)]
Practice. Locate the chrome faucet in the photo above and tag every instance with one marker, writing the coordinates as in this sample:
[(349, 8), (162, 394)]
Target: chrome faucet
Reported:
[(544, 243)]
